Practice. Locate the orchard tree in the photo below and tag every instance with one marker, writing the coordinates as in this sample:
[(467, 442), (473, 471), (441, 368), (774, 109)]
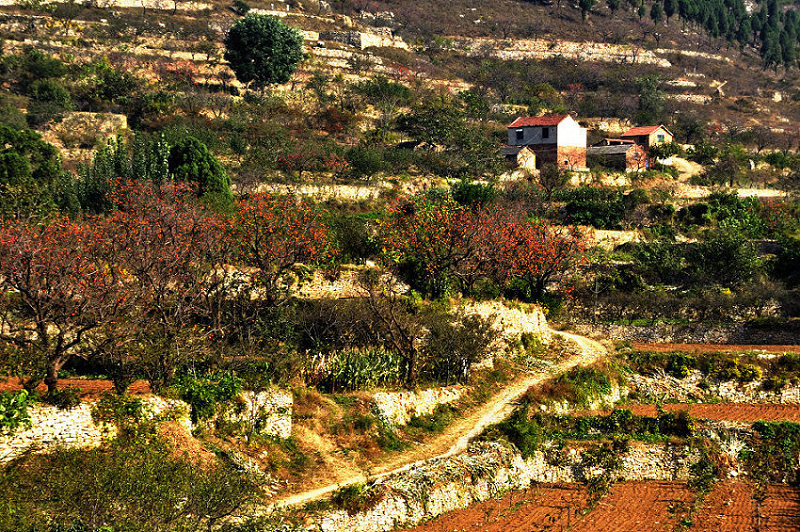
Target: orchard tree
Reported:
[(436, 245), (273, 233), (539, 251), (262, 50), (550, 178), (171, 252), (58, 288)]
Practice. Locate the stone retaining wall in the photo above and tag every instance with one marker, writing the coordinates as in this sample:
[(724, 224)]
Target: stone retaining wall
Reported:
[(693, 334), (521, 49), (512, 322), (267, 412), (667, 388), (75, 428), (382, 37), (397, 408), (171, 5), (486, 470)]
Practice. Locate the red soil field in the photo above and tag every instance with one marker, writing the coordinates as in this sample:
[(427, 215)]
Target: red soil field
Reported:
[(780, 510), (725, 411), (728, 508), (714, 348), (639, 506), (89, 387), (543, 507), (631, 506)]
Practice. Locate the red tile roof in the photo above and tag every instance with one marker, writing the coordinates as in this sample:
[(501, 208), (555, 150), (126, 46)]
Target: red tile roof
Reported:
[(641, 130), (528, 121)]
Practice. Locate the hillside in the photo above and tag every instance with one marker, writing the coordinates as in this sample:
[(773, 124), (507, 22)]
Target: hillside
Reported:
[(366, 265)]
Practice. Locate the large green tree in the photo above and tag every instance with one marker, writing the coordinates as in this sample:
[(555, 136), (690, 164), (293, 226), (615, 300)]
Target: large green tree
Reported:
[(190, 160), (262, 50)]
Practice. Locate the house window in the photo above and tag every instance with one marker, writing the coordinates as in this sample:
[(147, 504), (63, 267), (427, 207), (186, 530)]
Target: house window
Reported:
[(520, 134), (545, 132), (660, 139)]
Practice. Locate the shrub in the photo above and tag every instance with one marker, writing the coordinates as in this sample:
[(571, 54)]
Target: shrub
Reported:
[(190, 160), (204, 393), (118, 409), (473, 194), (49, 90), (14, 410), (679, 365), (129, 485), (355, 498), (365, 161), (454, 343), (64, 399)]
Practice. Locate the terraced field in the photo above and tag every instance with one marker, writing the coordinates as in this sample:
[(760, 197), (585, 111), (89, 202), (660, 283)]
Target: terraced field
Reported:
[(724, 411), (545, 507), (646, 505), (651, 506)]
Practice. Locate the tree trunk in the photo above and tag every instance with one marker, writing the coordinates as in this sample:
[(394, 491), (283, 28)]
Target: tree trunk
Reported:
[(51, 378), (411, 371)]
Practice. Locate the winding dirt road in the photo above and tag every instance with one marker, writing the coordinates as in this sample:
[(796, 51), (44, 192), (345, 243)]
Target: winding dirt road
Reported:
[(458, 435)]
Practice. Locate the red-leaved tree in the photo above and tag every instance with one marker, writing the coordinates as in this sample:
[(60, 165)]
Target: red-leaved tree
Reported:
[(273, 234), (171, 251), (538, 251), (436, 245), (58, 288)]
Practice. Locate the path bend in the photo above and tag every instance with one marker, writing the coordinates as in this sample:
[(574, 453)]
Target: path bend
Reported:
[(458, 436)]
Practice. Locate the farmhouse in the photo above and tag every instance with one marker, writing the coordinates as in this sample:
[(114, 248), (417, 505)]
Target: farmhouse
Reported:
[(625, 156), (557, 139), (649, 136)]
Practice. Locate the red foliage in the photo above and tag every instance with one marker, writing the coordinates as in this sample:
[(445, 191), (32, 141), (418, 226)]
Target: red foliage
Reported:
[(449, 241), (65, 285), (312, 159), (273, 233)]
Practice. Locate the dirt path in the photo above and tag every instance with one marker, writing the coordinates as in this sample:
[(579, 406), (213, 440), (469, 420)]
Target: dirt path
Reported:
[(457, 436)]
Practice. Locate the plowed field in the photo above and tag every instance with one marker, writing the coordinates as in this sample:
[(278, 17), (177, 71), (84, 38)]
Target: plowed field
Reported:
[(728, 508), (780, 511), (715, 348), (731, 508), (639, 506), (631, 506), (725, 411), (89, 387), (545, 507)]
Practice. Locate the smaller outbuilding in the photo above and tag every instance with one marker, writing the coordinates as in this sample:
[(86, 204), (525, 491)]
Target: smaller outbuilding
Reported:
[(522, 157), (648, 136), (626, 157)]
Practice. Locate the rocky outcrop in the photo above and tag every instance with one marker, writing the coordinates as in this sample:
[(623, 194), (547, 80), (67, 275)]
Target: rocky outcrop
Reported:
[(397, 408)]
